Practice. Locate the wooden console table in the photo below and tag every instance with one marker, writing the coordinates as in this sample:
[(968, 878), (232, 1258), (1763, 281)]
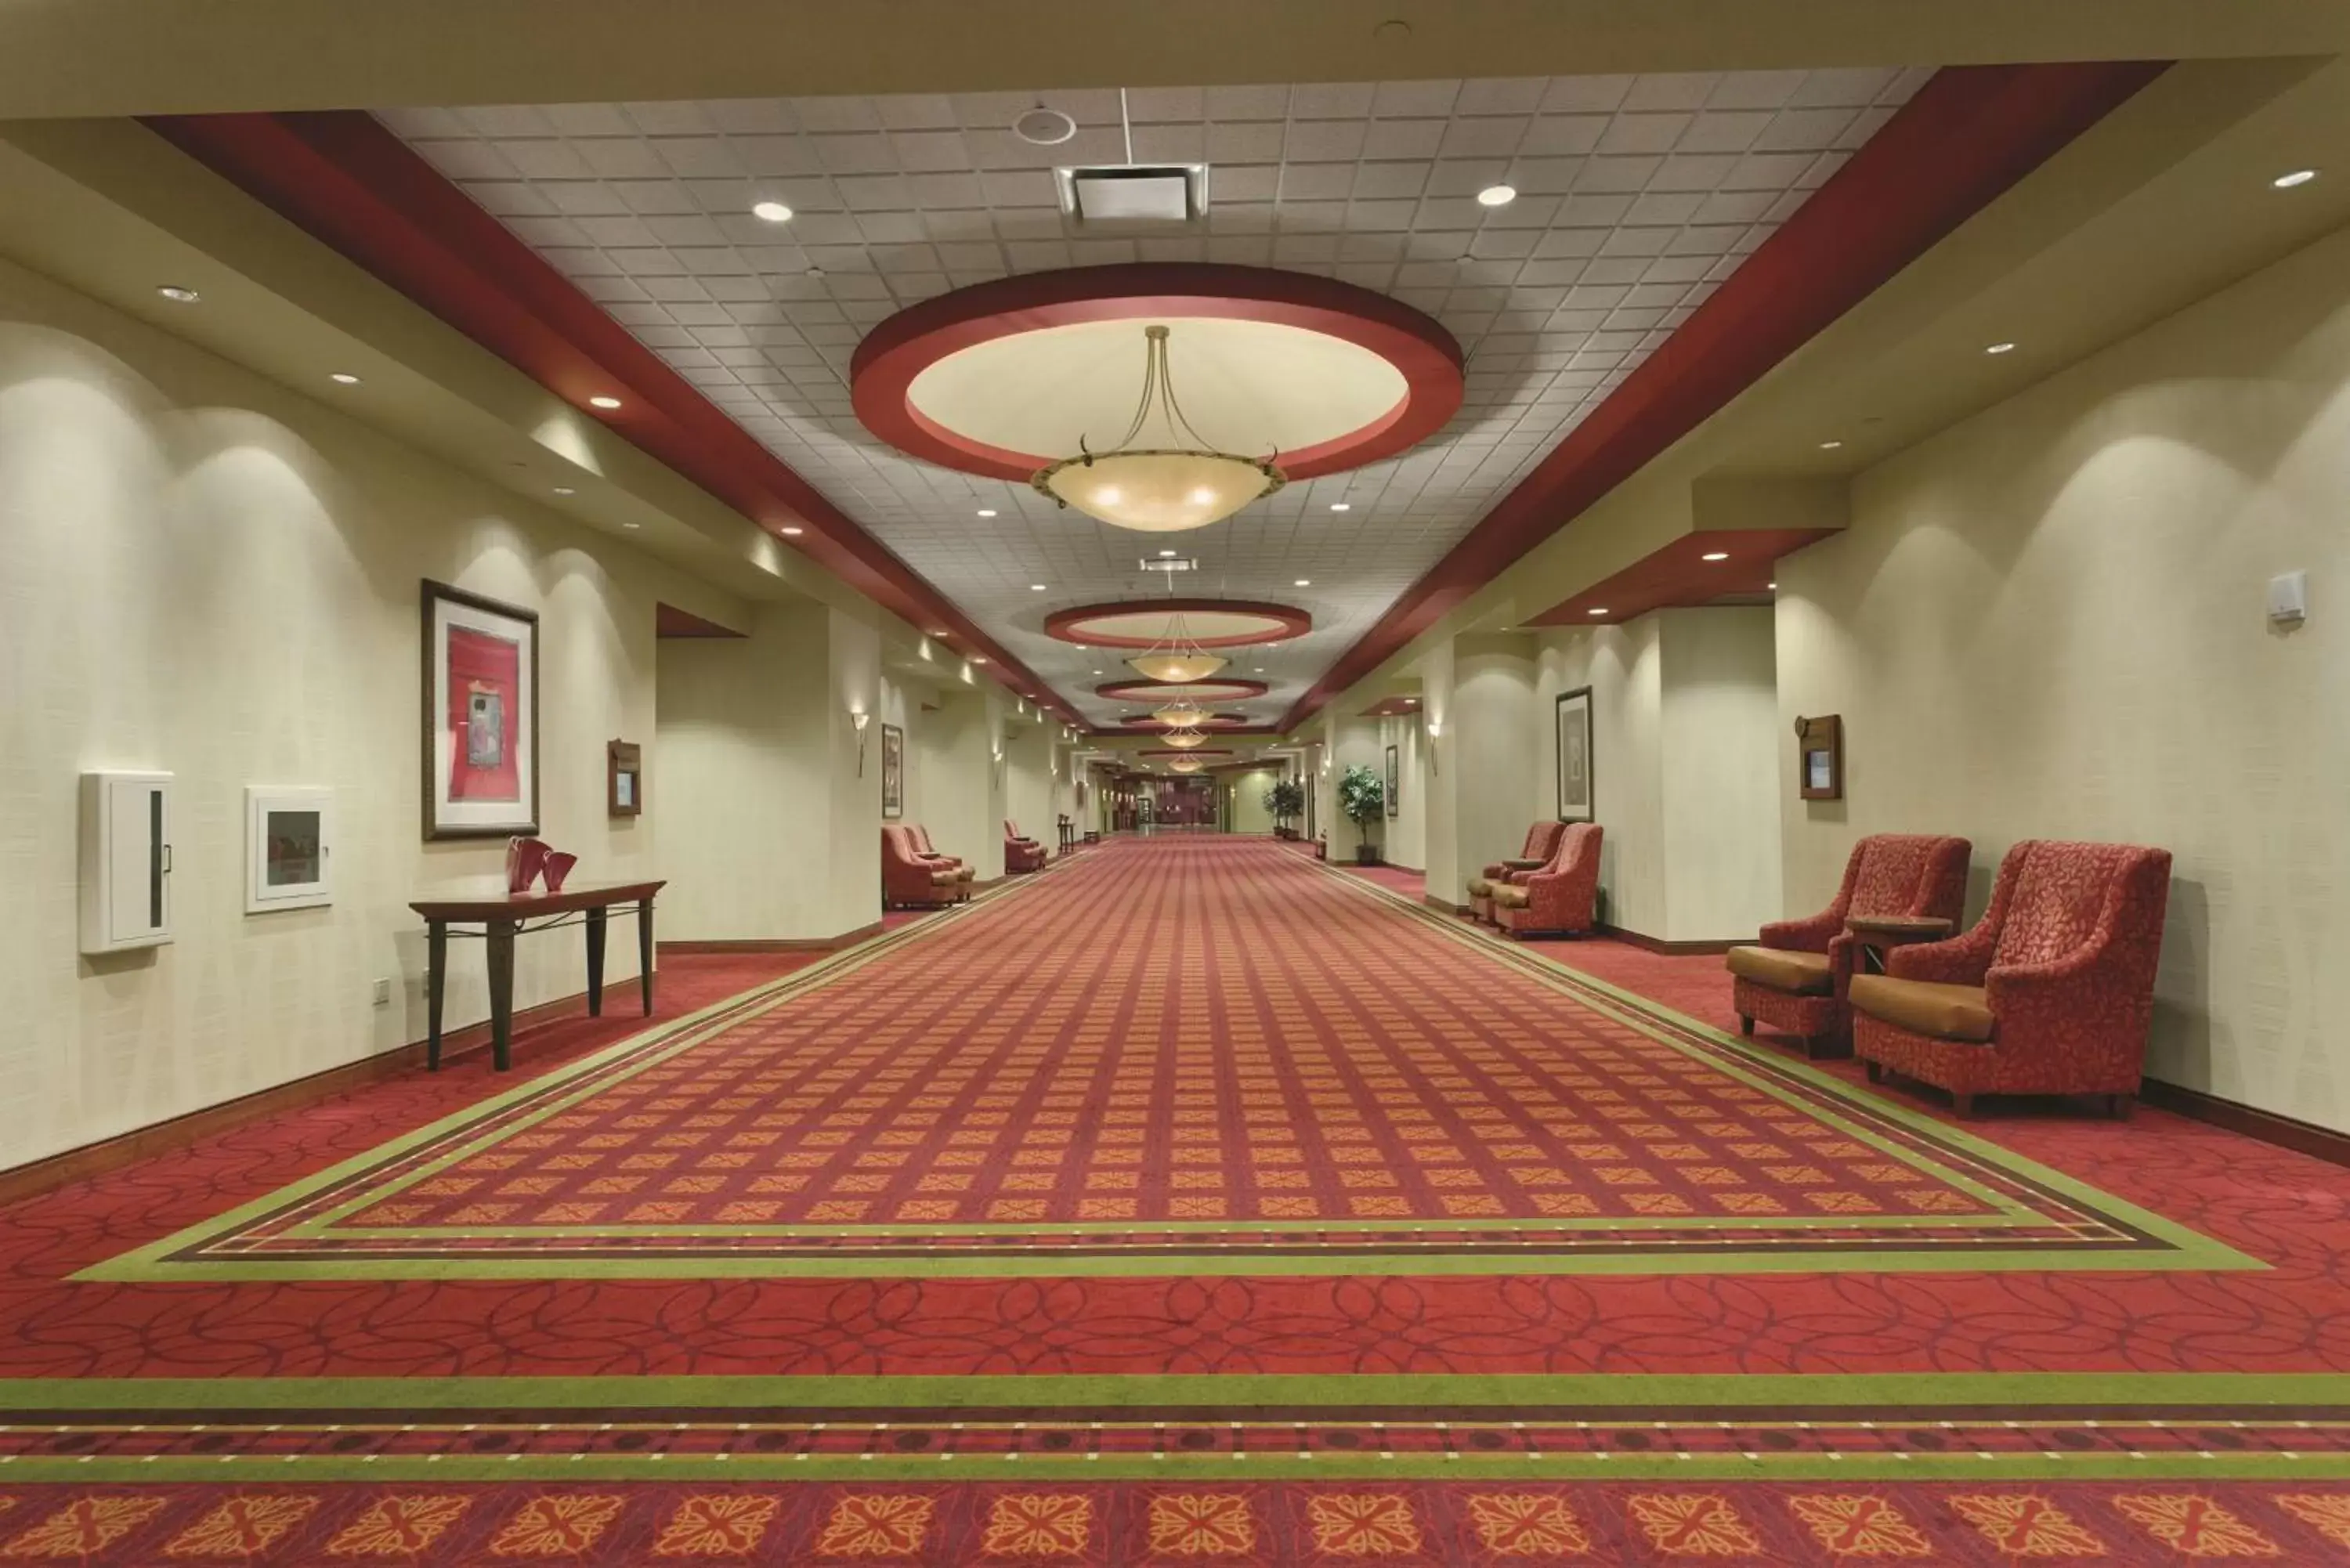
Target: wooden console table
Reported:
[(502, 917)]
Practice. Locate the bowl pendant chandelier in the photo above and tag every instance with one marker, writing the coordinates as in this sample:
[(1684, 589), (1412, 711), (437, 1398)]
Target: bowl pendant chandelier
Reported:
[(1184, 739), (1181, 715), (1157, 488), (1175, 658), (1187, 764)]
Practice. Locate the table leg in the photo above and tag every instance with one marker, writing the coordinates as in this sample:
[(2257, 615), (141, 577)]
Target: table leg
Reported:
[(436, 982), (645, 950), (501, 946), (596, 962)]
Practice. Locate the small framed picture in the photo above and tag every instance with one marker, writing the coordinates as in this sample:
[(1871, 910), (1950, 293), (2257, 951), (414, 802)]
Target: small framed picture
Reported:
[(1395, 783), (481, 716), (1577, 802), (624, 778), (289, 838), (893, 773), (1819, 746)]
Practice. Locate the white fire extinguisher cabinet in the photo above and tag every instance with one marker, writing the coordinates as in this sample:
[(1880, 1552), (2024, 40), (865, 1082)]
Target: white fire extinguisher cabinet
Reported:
[(126, 861)]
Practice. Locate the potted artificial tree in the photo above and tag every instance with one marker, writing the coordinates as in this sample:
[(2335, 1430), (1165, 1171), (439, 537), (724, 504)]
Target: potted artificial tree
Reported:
[(1284, 801), (1362, 800)]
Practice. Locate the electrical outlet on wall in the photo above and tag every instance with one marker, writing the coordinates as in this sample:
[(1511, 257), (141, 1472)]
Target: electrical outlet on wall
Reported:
[(384, 993)]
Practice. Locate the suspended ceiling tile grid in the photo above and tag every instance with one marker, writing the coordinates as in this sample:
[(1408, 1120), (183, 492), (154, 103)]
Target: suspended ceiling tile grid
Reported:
[(1637, 195)]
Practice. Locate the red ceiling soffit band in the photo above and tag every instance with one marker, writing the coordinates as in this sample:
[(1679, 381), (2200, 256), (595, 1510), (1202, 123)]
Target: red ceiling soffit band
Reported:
[(343, 178), (1968, 134), (884, 367)]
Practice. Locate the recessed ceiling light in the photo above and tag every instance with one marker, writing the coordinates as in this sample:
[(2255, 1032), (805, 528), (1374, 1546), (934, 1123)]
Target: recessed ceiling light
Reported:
[(938, 634), (979, 658), (1715, 555), (603, 402), (1497, 195), (774, 212), (1304, 582), (789, 533), (1165, 554), (563, 490), (1035, 588), (1599, 612), (1342, 506), (1830, 445), (344, 379), (1770, 585), (177, 295), (1999, 349), (987, 512), (633, 527), (2298, 177)]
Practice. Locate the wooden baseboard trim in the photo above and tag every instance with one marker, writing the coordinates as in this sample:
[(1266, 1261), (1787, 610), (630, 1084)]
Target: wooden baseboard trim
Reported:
[(2285, 1132), (1447, 904), (1659, 945), (769, 944), (53, 1171)]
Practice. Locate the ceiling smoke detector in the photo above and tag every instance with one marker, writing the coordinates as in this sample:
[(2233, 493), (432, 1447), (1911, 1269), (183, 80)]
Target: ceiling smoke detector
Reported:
[(1140, 194), (1041, 127)]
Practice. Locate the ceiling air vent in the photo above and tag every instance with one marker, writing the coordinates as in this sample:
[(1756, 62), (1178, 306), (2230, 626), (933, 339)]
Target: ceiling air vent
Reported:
[(1171, 563), (1135, 194)]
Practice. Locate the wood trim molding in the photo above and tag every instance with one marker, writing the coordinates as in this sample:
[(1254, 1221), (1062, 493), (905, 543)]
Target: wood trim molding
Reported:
[(1646, 944), (93, 1159), (2268, 1126), (770, 945)]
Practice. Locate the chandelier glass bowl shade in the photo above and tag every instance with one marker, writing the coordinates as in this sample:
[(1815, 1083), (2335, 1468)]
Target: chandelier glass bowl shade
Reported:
[(1187, 764), (1160, 477), (1175, 658), (1184, 739), (1181, 715)]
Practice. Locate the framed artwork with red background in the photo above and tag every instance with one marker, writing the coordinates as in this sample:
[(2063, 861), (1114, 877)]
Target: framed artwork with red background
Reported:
[(481, 716)]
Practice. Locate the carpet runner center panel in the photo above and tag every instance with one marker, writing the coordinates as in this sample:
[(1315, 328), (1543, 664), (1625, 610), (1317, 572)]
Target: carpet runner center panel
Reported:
[(1182, 1059)]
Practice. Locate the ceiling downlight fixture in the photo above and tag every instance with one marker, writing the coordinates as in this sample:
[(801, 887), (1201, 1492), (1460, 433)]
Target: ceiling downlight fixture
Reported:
[(2297, 177), (602, 402), (1158, 489), (771, 211), (178, 294), (1497, 195)]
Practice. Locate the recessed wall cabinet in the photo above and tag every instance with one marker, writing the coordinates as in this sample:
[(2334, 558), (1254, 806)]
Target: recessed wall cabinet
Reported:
[(126, 861)]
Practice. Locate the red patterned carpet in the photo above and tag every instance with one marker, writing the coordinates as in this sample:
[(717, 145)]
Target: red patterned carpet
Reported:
[(1189, 1202)]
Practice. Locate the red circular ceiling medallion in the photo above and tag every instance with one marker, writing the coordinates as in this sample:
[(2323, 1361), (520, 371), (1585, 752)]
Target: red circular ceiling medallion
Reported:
[(1208, 623), (1349, 375), (1176, 752), (1212, 721), (1215, 688)]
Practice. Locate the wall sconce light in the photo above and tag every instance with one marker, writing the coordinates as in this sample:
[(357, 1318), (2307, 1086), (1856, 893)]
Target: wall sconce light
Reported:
[(1435, 729), (858, 717)]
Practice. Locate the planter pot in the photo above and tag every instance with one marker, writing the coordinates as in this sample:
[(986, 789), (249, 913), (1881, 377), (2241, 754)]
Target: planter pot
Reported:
[(1366, 854)]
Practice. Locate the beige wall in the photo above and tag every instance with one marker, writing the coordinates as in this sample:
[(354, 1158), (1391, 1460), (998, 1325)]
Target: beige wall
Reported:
[(205, 573), (1249, 815), (1684, 724), (2048, 622)]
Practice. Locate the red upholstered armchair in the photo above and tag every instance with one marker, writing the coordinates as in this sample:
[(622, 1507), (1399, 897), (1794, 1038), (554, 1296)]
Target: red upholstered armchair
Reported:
[(2051, 994), (1021, 854), (1556, 900), (1795, 978), (920, 837), (910, 882), (1542, 842)]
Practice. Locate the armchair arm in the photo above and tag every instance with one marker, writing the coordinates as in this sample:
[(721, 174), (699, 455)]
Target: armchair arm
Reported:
[(1961, 960), (1812, 934)]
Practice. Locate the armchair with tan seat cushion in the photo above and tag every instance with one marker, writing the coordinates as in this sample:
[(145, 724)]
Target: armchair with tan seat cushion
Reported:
[(1793, 977), (1558, 899), (2051, 994), (920, 836), (1541, 840), (910, 880), (1021, 854)]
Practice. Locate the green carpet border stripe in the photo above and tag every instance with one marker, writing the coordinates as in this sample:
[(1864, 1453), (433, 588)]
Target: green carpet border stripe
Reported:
[(2209, 1252)]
